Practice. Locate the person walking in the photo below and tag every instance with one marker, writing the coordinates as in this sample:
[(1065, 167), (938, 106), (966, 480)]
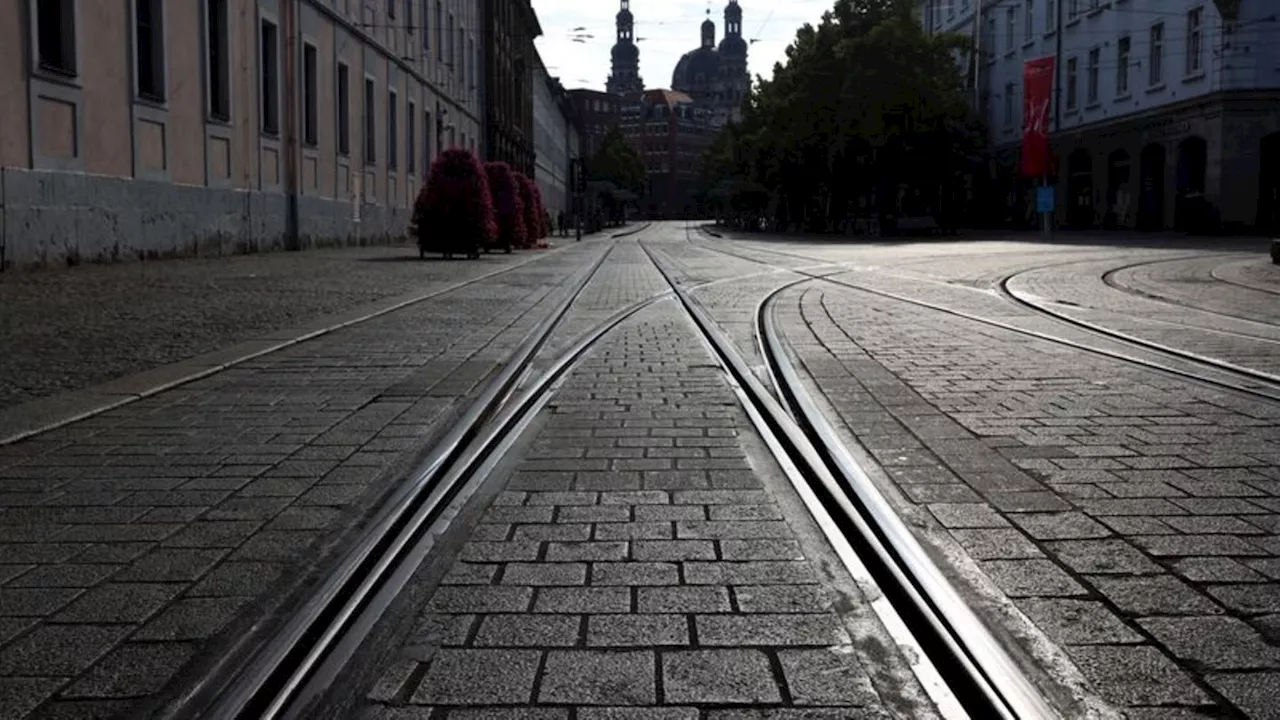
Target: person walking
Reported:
[(560, 223)]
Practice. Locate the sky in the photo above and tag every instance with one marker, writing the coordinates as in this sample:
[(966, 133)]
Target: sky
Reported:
[(666, 29)]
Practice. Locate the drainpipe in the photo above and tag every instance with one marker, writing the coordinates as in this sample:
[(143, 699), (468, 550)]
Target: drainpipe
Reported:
[(290, 140)]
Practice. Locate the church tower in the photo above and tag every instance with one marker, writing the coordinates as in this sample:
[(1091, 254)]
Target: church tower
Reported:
[(625, 77), (733, 59)]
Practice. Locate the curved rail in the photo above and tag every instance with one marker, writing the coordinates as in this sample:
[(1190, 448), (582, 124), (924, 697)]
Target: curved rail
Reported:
[(1245, 383), (268, 684), (1109, 278), (984, 679)]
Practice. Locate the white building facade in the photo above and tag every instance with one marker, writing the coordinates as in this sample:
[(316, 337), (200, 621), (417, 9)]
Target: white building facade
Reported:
[(1166, 113)]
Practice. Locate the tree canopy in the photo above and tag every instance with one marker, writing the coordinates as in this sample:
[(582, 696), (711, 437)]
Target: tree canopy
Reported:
[(868, 108), (617, 162)]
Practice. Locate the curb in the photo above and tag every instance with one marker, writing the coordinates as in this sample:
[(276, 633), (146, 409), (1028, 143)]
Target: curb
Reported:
[(50, 413), (632, 231)]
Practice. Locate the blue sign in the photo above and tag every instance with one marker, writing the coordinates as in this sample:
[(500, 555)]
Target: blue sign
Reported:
[(1044, 199)]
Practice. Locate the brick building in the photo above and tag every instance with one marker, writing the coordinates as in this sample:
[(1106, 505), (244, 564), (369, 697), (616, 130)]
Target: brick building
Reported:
[(510, 68), (671, 132)]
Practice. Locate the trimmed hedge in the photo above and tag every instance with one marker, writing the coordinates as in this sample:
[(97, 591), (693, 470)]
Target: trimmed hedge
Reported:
[(507, 205), (454, 213)]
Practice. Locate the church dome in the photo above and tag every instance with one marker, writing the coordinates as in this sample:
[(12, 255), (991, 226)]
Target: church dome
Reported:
[(733, 45), (702, 61)]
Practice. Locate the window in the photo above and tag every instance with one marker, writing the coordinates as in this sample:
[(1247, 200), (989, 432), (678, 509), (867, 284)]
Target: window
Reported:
[(1122, 67), (391, 9), (309, 124), (475, 63), (1010, 23), (392, 116), (452, 45), (439, 32), (1155, 61), (148, 38), (1029, 20), (426, 143), (1091, 92), (1051, 16), (1073, 10), (991, 36), (370, 136), (1008, 105), (270, 80), (426, 31), (411, 137), (219, 62), (344, 109), (1195, 27), (1071, 83), (56, 35)]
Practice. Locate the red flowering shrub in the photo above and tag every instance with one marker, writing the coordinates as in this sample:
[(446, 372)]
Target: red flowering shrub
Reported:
[(531, 210), (542, 212), (507, 205), (454, 210)]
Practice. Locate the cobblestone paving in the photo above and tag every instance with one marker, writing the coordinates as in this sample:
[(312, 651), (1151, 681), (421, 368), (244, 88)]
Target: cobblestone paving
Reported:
[(1133, 518), (137, 544), (636, 565), (1195, 283), (71, 329)]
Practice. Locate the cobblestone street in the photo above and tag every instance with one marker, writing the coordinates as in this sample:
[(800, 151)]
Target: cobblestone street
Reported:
[(1081, 433)]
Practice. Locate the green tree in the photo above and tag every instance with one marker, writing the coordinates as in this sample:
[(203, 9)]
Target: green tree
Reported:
[(866, 105), (617, 162)]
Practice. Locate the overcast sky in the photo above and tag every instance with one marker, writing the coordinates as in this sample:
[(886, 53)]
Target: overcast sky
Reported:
[(667, 29)]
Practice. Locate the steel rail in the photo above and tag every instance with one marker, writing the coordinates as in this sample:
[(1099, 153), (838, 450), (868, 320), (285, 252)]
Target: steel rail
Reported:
[(1109, 279), (280, 667), (1222, 365), (926, 602), (1247, 385)]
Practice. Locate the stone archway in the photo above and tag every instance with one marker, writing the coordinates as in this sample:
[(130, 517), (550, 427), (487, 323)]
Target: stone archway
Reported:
[(1191, 208), (1151, 189), (1080, 189), (1268, 219), (1119, 196)]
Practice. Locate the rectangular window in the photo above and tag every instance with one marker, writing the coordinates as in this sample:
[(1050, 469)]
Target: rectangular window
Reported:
[(56, 35), (411, 137), (270, 80), (1010, 24), (310, 133), (1029, 21), (1155, 59), (1092, 82), (439, 32), (1195, 32), (408, 16), (393, 154), (370, 134), (427, 129), (1122, 66), (148, 38), (1073, 9), (1072, 83), (344, 110), (1008, 105), (452, 45), (391, 9), (426, 30), (991, 37), (1050, 16), (219, 62)]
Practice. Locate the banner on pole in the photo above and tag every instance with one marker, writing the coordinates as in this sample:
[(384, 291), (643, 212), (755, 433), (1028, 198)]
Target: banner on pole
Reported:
[(1037, 92)]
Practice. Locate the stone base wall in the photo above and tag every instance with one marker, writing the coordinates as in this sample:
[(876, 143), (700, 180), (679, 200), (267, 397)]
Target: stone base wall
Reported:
[(52, 218)]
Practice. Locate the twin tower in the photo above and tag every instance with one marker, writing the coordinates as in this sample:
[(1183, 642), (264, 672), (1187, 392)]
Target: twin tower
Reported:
[(716, 76)]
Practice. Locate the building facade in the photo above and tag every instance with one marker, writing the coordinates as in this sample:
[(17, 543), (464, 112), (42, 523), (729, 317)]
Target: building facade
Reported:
[(624, 78), (148, 128), (671, 132), (598, 113), (555, 141), (1166, 113), (716, 77), (510, 62)]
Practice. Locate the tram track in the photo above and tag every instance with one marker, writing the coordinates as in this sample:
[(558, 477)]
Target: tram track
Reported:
[(1201, 369)]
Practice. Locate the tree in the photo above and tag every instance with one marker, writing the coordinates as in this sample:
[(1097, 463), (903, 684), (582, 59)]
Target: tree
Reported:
[(454, 210), (868, 107), (508, 208), (617, 162)]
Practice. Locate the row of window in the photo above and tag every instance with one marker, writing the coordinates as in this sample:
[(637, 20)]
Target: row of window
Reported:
[(1123, 62)]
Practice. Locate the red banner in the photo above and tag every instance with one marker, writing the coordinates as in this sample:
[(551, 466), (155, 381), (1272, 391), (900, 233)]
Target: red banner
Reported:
[(1037, 90)]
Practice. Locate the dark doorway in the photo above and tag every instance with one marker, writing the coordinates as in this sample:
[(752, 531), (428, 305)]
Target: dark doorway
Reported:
[(1191, 211), (1269, 185), (1151, 194), (1080, 189), (1119, 205)]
